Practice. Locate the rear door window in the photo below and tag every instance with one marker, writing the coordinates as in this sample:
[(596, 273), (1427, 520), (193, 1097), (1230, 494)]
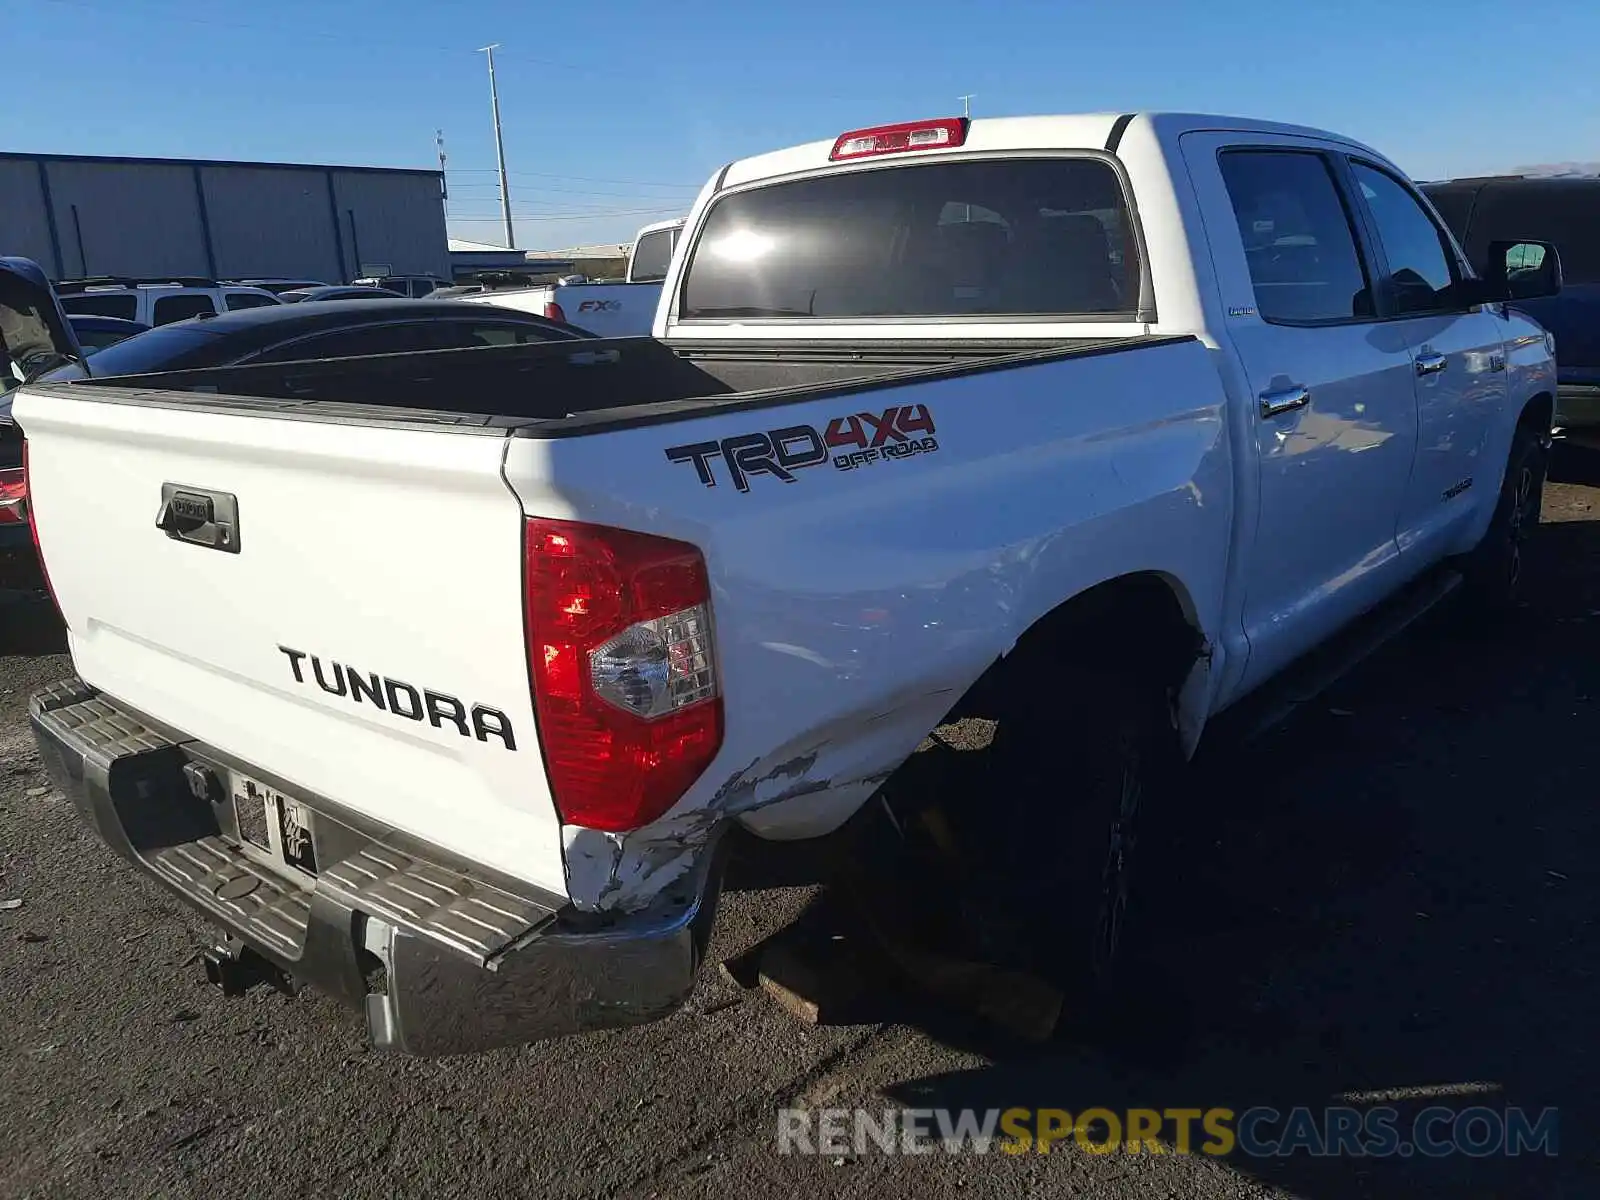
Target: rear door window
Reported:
[(369, 339), (1304, 263), (499, 333), (1028, 237), (181, 307), (103, 304)]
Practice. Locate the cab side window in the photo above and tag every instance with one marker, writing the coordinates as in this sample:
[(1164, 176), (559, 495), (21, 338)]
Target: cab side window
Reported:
[(397, 338), (103, 304), (1304, 262), (181, 307), (237, 300), (1423, 270)]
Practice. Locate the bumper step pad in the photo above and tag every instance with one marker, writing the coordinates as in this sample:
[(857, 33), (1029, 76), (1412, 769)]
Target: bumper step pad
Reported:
[(188, 851)]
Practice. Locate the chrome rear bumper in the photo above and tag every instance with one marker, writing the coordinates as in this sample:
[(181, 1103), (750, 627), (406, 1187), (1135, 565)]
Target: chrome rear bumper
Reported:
[(470, 960)]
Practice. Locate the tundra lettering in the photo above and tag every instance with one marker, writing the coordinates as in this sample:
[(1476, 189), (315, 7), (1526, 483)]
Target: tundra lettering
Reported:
[(401, 699), (877, 437)]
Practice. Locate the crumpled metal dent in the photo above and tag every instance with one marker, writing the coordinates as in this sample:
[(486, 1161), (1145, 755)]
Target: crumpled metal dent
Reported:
[(625, 872)]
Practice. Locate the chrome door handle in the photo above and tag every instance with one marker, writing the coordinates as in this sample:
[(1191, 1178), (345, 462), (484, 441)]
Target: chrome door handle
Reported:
[(1284, 400), (1431, 364)]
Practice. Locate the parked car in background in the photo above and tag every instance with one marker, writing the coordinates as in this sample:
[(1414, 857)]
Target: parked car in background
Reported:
[(415, 286), (623, 309), (35, 338), (1566, 212), (95, 333), (278, 286), (338, 292), (157, 301), (290, 333)]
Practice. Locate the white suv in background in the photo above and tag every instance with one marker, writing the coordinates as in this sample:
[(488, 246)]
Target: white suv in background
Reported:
[(157, 301)]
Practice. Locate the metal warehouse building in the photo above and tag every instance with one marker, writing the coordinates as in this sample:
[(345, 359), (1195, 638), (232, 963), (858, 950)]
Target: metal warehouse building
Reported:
[(80, 216)]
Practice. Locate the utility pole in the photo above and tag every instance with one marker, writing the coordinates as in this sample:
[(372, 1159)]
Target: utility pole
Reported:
[(500, 149), (444, 179)]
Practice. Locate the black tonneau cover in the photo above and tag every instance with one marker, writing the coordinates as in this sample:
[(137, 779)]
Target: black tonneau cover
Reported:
[(556, 389)]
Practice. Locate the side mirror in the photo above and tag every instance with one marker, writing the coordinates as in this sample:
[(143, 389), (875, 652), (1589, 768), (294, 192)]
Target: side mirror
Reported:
[(1523, 270)]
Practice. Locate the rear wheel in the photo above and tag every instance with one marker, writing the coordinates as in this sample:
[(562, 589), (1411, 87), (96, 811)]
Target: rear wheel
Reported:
[(1075, 776), (1493, 572)]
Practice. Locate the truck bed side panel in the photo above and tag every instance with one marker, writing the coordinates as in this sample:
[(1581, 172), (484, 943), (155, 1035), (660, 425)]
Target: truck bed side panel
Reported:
[(856, 601)]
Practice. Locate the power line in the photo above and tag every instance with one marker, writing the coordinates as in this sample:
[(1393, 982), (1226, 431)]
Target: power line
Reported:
[(573, 217), (470, 186), (574, 178), (481, 203)]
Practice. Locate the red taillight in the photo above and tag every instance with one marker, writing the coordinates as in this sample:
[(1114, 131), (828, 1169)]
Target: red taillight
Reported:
[(620, 657), (552, 312), (33, 528), (940, 134), (13, 495)]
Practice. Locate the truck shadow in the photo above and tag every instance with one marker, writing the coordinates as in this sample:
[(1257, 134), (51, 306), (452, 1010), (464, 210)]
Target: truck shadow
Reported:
[(29, 623), (1576, 462), (1392, 902)]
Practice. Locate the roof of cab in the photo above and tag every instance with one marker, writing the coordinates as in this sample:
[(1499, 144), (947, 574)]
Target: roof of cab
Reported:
[(1076, 131)]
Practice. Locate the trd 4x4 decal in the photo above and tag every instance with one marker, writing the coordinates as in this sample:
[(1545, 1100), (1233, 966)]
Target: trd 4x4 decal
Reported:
[(850, 442)]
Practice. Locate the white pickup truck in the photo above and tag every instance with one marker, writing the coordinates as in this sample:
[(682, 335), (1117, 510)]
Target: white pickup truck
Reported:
[(462, 664), (603, 309)]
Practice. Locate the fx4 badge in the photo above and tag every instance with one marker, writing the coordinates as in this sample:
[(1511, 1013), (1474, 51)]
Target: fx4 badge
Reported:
[(860, 440)]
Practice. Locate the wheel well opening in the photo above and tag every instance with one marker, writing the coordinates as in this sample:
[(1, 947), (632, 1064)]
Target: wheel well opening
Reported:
[(1539, 412), (1136, 625)]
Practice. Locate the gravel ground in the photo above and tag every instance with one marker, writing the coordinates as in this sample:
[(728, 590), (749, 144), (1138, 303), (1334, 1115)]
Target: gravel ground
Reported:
[(1396, 894)]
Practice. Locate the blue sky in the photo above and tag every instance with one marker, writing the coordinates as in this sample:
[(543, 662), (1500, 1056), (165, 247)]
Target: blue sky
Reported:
[(614, 113)]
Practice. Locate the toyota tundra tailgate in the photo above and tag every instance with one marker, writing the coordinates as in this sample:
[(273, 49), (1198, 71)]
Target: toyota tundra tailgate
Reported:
[(336, 602)]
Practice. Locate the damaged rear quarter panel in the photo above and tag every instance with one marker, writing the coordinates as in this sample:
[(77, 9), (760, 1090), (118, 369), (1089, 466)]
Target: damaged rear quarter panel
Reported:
[(853, 607)]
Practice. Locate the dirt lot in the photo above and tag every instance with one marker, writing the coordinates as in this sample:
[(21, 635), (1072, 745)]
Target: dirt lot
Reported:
[(1397, 895)]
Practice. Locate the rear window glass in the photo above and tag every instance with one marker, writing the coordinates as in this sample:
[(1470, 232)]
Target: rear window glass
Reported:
[(157, 350), (1004, 238), (105, 304), (95, 340), (1566, 213), (651, 256)]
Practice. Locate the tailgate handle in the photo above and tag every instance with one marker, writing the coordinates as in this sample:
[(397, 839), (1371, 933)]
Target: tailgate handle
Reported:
[(200, 517)]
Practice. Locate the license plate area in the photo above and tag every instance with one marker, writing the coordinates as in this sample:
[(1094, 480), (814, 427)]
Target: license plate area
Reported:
[(274, 829)]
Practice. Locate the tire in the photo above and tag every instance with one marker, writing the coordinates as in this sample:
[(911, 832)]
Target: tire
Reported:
[(1493, 571), (1074, 778)]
